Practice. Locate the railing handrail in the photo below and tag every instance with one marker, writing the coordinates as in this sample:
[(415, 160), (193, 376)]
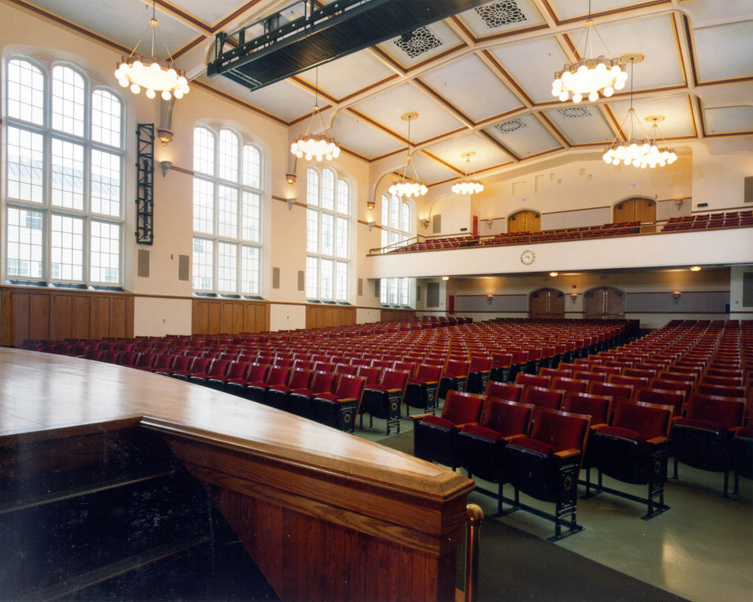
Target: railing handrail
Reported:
[(472, 542)]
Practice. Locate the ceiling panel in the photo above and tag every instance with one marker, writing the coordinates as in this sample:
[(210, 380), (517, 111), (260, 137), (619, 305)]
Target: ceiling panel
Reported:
[(487, 155), (387, 107), (676, 110), (362, 138), (724, 52), (532, 65), (349, 74), (471, 87), (727, 120), (430, 171), (500, 16), (567, 9), (581, 124), (424, 43), (524, 135), (209, 12)]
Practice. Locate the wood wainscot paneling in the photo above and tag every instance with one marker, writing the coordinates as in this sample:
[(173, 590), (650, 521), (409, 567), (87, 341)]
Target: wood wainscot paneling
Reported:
[(391, 315), (58, 314), (229, 316), (326, 316)]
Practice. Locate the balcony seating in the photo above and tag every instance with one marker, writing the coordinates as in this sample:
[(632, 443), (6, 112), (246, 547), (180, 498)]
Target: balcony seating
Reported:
[(339, 409), (453, 377), (384, 400), (529, 379), (278, 396), (300, 399), (257, 390), (421, 390), (570, 385), (218, 367), (478, 374), (235, 378), (542, 397), (181, 363), (197, 364), (505, 391)]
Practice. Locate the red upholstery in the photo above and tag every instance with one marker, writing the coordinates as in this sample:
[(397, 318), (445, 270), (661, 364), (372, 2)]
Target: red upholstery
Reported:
[(622, 433), (505, 391), (529, 379), (277, 376), (426, 373), (370, 374), (534, 445), (481, 431), (460, 408), (727, 412), (592, 376), (559, 429), (540, 397), (437, 421), (570, 385), (614, 391), (596, 406), (670, 398), (648, 419), (721, 391), (506, 417), (707, 425)]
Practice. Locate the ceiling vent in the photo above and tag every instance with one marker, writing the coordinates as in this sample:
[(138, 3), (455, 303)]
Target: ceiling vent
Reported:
[(498, 14), (575, 112), (418, 42), (511, 126)]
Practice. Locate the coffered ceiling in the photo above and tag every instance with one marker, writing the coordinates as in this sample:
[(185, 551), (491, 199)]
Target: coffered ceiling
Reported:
[(480, 81)]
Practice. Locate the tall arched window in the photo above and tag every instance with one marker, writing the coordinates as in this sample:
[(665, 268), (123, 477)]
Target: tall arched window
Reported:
[(227, 200), (64, 166), (397, 229), (327, 236)]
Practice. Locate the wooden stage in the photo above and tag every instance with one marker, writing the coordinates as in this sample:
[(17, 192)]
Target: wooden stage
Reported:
[(318, 510)]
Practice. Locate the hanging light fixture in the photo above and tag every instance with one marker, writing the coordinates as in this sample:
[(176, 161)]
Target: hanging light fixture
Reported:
[(405, 186), (589, 76), (655, 155), (152, 73), (464, 185), (311, 145), (632, 150)]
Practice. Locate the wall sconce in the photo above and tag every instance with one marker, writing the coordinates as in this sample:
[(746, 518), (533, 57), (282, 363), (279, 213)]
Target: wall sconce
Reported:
[(490, 223), (370, 205), (290, 178), (695, 268), (165, 137), (445, 278), (573, 297), (678, 203), (291, 203), (553, 274), (676, 296), (489, 299), (425, 223), (371, 224), (166, 165)]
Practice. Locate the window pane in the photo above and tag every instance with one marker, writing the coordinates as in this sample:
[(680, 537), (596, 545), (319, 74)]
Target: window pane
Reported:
[(67, 188), (341, 289), (105, 185), (68, 96), (203, 259), (312, 280), (328, 233), (312, 187), (404, 294), (106, 118), (393, 238), (25, 92), (227, 268), (341, 238), (405, 224), (392, 295), (67, 248), (105, 252), (229, 145), (328, 189), (203, 151), (312, 231), (251, 217), (251, 167), (228, 218), (383, 284), (326, 278), (385, 237), (203, 206), (343, 197), (394, 212), (385, 210), (250, 276), (25, 243), (25, 165)]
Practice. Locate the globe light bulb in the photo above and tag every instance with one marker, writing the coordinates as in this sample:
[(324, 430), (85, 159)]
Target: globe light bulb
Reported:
[(577, 97), (124, 82), (564, 96), (166, 95), (608, 91), (150, 93), (137, 65), (155, 67), (594, 96), (178, 94), (135, 88)]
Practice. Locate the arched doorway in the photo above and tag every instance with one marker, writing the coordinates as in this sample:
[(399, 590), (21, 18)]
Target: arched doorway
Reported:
[(524, 221), (605, 303), (638, 209), (547, 304)]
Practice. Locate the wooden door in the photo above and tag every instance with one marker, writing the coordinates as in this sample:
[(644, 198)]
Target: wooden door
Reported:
[(637, 210), (524, 221), (605, 304), (547, 304)]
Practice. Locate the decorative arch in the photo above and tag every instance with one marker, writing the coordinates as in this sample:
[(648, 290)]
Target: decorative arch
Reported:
[(636, 208), (604, 303), (546, 304), (524, 220)]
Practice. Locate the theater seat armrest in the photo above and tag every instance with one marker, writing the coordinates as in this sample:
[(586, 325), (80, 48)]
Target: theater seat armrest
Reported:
[(511, 437), (460, 426), (657, 441), (595, 426), (419, 417), (430, 382), (394, 390), (346, 400), (734, 429), (566, 454)]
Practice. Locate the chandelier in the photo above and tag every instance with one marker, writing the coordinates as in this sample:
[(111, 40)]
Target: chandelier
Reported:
[(655, 155), (405, 186), (589, 76), (152, 73), (464, 185), (310, 145)]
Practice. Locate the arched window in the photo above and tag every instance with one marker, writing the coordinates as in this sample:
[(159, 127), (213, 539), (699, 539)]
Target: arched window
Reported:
[(327, 236), (64, 185), (397, 228), (226, 213)]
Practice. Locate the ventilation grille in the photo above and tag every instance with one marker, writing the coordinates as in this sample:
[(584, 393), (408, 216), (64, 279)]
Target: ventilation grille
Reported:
[(436, 224), (432, 294), (143, 264), (183, 268), (502, 13), (360, 287), (574, 112), (748, 191), (275, 277), (301, 280), (418, 42), (748, 289), (513, 125)]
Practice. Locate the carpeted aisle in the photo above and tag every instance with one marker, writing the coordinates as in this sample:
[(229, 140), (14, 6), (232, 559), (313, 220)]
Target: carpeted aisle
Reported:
[(517, 566)]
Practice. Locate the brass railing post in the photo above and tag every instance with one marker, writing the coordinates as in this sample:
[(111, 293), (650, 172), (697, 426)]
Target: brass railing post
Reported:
[(472, 534)]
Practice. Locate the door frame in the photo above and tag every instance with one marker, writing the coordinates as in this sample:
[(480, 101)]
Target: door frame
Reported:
[(619, 291)]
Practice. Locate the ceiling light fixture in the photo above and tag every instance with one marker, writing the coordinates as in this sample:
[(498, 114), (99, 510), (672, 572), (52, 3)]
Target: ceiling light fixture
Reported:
[(311, 145), (152, 73), (655, 155), (404, 186), (464, 185), (695, 268), (631, 151), (589, 76)]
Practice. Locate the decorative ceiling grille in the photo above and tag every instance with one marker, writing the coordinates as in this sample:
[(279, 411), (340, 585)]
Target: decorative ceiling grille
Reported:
[(418, 41), (575, 112), (513, 125), (497, 14)]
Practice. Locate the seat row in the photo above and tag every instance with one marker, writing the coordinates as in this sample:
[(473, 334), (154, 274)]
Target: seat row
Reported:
[(730, 219)]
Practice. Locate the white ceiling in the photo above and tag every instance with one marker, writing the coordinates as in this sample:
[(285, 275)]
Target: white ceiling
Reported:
[(488, 67)]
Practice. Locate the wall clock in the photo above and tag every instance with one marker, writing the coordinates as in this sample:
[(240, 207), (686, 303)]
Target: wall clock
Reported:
[(527, 257)]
